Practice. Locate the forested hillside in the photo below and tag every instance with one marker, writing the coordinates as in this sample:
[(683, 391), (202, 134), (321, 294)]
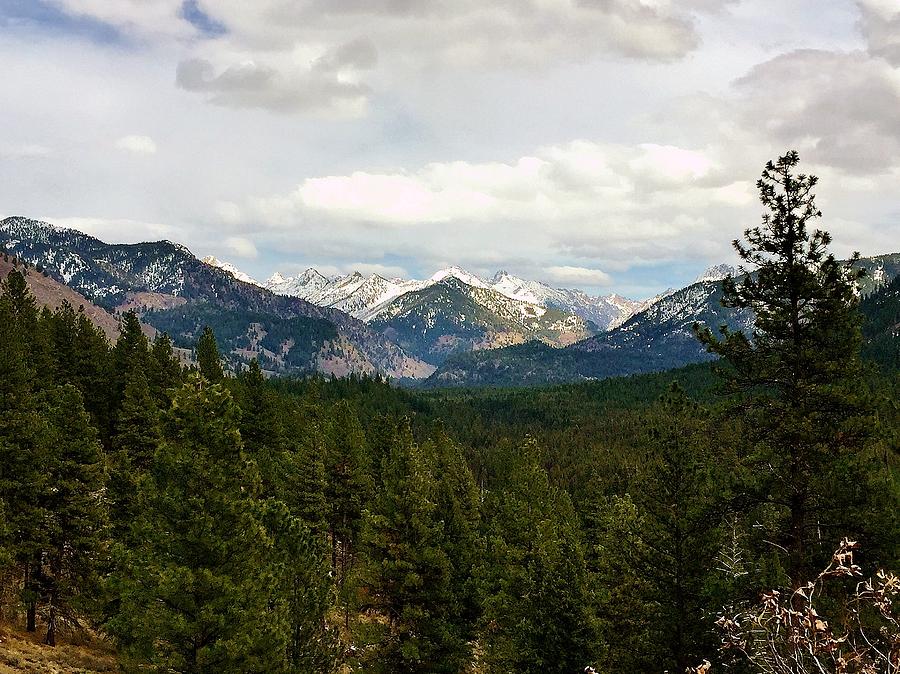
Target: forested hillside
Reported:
[(168, 285), (202, 522)]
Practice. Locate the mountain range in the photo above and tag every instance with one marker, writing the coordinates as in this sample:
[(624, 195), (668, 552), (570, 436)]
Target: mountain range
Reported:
[(174, 291), (452, 329), (367, 297)]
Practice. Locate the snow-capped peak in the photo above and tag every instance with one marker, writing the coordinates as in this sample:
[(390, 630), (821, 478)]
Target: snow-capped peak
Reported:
[(213, 261), (303, 285), (717, 272), (459, 273)]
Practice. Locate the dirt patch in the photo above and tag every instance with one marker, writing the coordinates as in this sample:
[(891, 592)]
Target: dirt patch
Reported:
[(52, 294), (24, 652)]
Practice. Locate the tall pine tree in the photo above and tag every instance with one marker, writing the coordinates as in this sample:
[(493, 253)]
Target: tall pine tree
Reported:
[(409, 572), (208, 357), (796, 380), (538, 609)]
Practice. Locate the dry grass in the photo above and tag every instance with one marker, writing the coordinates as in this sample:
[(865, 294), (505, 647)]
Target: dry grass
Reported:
[(21, 651)]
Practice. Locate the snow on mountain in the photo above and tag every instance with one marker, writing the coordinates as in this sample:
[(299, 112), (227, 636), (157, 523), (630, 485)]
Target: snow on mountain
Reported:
[(213, 261), (605, 311), (158, 266), (717, 272), (356, 294), (368, 297), (303, 286), (459, 273)]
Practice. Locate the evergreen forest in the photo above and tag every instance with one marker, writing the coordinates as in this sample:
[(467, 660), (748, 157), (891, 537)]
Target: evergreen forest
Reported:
[(208, 521)]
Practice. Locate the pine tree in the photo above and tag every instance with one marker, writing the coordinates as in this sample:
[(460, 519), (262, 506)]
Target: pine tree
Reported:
[(24, 459), (23, 306), (797, 381), (90, 369), (130, 353), (134, 444), (655, 564), (302, 486), (204, 590), (165, 373), (409, 573), (208, 357), (348, 485), (131, 350), (262, 429), (76, 526), (458, 507), (538, 613)]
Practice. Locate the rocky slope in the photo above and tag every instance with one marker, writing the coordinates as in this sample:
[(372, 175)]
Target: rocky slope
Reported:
[(657, 338), (181, 290), (367, 298), (451, 316), (51, 294)]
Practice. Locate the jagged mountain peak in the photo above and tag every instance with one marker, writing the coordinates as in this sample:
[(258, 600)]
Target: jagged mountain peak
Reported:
[(213, 261), (459, 273), (717, 272)]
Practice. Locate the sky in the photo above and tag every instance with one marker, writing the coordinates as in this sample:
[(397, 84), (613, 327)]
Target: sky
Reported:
[(608, 145)]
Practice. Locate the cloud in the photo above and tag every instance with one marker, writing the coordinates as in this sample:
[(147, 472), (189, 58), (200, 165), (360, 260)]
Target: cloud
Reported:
[(416, 134), (257, 85), (577, 276), (839, 108), (119, 230), (880, 23), (577, 182), (137, 144), (241, 247), (147, 19), (582, 203), (315, 56)]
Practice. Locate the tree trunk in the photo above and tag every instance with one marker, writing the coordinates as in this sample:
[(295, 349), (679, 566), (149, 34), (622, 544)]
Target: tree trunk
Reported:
[(797, 549), (51, 624), (31, 616), (30, 601)]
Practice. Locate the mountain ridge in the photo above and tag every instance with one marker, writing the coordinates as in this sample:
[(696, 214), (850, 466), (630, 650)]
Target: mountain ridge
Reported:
[(119, 276), (344, 292)]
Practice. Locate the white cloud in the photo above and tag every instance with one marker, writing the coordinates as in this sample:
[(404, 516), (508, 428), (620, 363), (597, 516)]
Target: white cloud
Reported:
[(577, 276), (228, 212), (141, 18), (833, 107), (439, 132), (119, 230), (137, 144), (576, 183), (880, 24), (315, 56), (241, 247)]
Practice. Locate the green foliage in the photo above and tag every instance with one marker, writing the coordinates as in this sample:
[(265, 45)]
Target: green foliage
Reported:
[(490, 530), (165, 373), (797, 385), (655, 550), (538, 612), (409, 574), (200, 592), (134, 444), (882, 311), (75, 528), (280, 342), (208, 357)]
